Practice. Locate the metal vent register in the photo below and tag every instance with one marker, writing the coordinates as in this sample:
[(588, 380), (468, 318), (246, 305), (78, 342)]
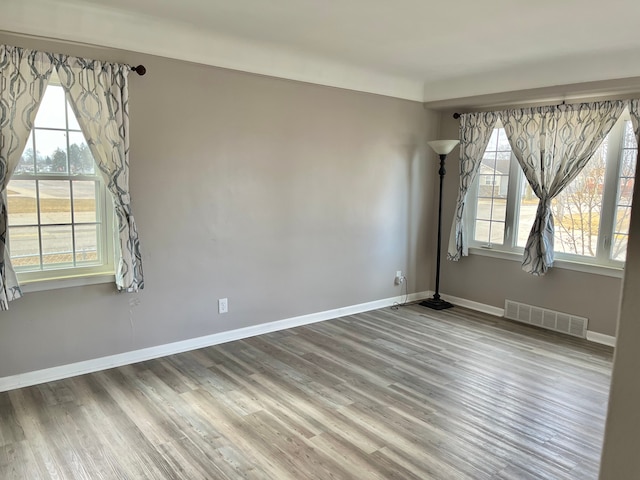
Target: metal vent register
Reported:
[(545, 318)]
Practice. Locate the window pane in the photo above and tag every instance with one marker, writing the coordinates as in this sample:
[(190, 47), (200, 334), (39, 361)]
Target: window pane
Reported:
[(493, 140), (500, 184), (485, 181), (87, 244), (21, 197), (482, 231), (52, 145), (55, 201), (527, 214), (623, 215), (80, 158), (496, 162), (24, 247), (624, 194), (493, 183), (27, 160), (57, 247), (488, 163), (499, 210), (51, 113), (490, 186), (503, 142), (619, 247), (577, 209), (497, 232), (483, 209), (625, 191), (629, 136), (84, 201), (628, 168), (503, 160)]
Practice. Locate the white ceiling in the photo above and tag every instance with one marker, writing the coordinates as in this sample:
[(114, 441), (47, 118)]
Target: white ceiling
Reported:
[(417, 49)]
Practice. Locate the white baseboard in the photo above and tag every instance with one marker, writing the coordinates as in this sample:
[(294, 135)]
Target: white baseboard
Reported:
[(477, 306), (601, 338), (118, 360), (111, 361), (594, 337)]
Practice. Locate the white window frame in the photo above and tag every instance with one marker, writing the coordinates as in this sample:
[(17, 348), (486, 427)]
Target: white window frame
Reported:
[(62, 277), (601, 263)]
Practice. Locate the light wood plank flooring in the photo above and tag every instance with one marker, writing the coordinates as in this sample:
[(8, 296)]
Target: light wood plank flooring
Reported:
[(406, 394)]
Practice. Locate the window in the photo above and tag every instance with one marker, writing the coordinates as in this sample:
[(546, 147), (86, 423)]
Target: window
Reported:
[(60, 217), (491, 198), (591, 215), (626, 175)]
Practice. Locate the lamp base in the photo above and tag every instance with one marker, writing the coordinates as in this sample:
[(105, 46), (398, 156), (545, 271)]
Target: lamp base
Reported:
[(436, 303)]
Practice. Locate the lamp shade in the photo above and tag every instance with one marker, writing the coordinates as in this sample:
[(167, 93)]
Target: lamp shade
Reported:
[(443, 147)]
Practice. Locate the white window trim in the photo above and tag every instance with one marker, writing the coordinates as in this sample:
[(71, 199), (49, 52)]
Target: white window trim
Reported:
[(566, 264), (601, 264), (42, 284)]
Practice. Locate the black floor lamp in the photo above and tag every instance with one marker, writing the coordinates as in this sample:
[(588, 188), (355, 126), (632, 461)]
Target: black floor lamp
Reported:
[(442, 148)]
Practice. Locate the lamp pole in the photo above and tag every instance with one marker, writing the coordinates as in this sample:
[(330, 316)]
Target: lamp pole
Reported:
[(442, 148)]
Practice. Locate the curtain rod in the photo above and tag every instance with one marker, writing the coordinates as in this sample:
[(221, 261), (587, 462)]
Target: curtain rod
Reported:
[(140, 70), (457, 115)]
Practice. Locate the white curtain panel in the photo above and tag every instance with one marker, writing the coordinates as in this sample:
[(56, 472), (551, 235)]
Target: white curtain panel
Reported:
[(634, 111), (24, 75), (98, 94), (552, 145), (475, 132)]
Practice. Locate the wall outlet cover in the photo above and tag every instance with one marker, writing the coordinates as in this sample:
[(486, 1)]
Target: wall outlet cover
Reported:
[(223, 305)]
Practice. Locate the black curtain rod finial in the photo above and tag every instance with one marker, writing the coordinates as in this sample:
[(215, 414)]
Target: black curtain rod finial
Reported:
[(140, 69), (456, 115)]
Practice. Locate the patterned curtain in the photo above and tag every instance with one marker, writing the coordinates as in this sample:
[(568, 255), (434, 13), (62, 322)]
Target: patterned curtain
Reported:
[(634, 110), (24, 75), (98, 94), (552, 145), (475, 131)]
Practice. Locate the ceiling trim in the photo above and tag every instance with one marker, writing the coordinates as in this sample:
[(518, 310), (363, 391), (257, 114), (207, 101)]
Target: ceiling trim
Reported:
[(95, 25), (623, 88)]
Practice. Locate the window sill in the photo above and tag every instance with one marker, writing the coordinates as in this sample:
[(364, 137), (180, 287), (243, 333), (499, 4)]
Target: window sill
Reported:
[(29, 286), (607, 271)]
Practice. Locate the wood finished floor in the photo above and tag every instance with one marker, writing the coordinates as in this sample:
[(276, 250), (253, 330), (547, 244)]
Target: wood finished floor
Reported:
[(406, 394)]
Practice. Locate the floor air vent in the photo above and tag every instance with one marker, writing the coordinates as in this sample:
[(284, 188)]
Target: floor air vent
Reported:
[(549, 319)]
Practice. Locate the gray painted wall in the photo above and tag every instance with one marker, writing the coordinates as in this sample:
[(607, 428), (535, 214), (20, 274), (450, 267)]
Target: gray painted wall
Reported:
[(490, 280), (284, 197)]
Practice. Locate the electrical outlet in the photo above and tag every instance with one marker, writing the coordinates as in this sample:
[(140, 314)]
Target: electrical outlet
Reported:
[(223, 305), (399, 278)]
